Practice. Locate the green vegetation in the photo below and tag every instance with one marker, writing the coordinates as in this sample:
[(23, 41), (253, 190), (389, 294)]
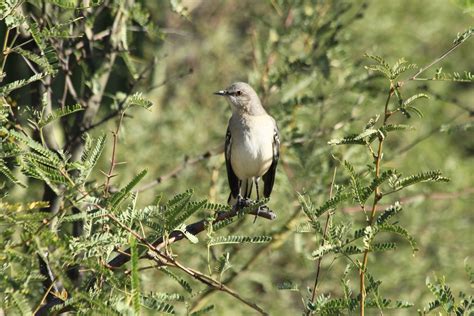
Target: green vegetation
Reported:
[(112, 174)]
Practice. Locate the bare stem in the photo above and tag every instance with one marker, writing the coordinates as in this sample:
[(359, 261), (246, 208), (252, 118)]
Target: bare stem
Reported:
[(446, 53), (109, 175)]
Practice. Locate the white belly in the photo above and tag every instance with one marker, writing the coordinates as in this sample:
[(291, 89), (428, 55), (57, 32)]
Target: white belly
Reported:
[(252, 147)]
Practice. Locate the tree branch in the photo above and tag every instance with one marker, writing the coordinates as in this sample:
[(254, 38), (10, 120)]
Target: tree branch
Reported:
[(163, 258), (194, 229)]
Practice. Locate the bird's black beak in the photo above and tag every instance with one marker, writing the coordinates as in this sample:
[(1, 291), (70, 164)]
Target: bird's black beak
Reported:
[(221, 92)]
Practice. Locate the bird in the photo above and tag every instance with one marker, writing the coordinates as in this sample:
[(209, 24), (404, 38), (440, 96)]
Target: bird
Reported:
[(252, 144)]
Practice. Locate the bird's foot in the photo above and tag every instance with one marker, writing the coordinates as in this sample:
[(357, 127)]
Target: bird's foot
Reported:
[(243, 202)]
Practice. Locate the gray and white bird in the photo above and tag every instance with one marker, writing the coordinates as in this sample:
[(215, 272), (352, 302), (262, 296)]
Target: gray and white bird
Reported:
[(252, 144)]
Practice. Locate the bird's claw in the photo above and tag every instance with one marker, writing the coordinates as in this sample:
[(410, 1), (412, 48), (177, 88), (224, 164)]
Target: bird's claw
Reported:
[(243, 202)]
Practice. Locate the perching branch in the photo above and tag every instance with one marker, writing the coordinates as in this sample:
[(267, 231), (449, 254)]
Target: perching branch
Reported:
[(163, 258), (194, 229)]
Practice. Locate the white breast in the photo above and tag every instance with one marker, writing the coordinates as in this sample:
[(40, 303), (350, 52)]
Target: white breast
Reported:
[(252, 149)]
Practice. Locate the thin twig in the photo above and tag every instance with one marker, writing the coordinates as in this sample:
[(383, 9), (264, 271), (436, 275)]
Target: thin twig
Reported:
[(446, 53), (186, 162), (43, 298), (323, 241), (377, 197), (109, 175)]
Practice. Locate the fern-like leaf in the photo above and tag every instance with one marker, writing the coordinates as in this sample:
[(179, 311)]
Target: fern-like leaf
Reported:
[(59, 113), (184, 284), (138, 100), (227, 240), (6, 89), (376, 182), (428, 176), (118, 197), (135, 277), (8, 174), (391, 211), (202, 311), (400, 231)]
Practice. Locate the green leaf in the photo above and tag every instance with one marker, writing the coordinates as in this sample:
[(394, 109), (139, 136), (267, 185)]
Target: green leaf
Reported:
[(59, 113), (226, 240), (138, 100), (178, 7), (369, 234), (135, 276), (118, 197), (8, 174), (353, 139), (396, 127), (41, 61), (7, 7), (355, 184), (185, 285), (414, 110), (411, 99), (155, 303), (339, 197), (462, 37), (428, 176), (400, 67), (463, 127), (203, 311), (223, 263), (376, 182), (21, 304), (391, 211), (323, 250), (386, 246), (400, 231), (381, 69), (192, 238), (91, 153), (184, 213), (288, 286), (6, 89), (22, 207)]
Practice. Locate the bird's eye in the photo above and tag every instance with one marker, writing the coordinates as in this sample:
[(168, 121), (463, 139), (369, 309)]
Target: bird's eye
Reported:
[(238, 92)]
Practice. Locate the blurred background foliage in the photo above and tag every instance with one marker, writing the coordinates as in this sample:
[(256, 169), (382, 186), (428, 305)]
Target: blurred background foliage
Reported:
[(305, 59)]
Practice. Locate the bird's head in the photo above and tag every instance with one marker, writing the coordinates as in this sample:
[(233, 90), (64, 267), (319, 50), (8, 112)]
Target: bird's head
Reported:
[(242, 98)]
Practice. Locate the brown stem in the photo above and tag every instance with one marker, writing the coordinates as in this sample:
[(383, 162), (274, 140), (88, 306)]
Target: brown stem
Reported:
[(377, 197), (110, 174)]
